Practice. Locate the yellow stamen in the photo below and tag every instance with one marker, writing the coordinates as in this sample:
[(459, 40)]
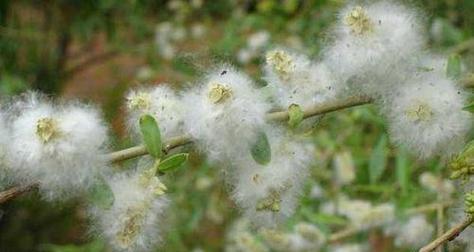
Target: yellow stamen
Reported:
[(134, 218), (47, 129), (419, 111), (140, 101), (281, 62), (359, 21), (219, 93)]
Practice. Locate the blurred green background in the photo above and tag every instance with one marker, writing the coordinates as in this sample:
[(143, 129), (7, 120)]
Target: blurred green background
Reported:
[(95, 50)]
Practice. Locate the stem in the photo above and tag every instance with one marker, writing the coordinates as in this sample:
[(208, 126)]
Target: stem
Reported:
[(15, 191), (462, 47), (350, 231), (340, 235), (468, 81), (448, 236), (140, 150), (321, 109), (428, 207), (440, 223)]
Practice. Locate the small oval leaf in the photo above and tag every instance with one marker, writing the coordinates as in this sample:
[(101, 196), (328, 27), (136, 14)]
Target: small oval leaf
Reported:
[(173, 162), (151, 135), (101, 195), (261, 150), (295, 115)]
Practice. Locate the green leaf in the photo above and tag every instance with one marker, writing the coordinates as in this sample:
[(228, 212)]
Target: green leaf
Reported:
[(173, 162), (94, 246), (373, 188), (328, 219), (403, 171), (469, 108), (453, 69), (151, 135), (261, 150), (378, 160), (295, 115), (101, 195), (450, 34), (322, 218)]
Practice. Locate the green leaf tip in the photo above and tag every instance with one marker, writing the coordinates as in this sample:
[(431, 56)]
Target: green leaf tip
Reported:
[(173, 162), (151, 135)]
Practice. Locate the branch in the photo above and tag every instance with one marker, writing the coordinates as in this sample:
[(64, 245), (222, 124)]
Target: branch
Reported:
[(15, 191), (321, 109), (429, 207), (140, 150), (340, 235), (468, 81), (462, 47), (448, 236)]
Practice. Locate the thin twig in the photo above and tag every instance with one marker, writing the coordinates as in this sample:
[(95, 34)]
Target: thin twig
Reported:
[(350, 231), (440, 223), (428, 207), (15, 191), (462, 47), (140, 150), (321, 109), (448, 236), (468, 81), (340, 235)]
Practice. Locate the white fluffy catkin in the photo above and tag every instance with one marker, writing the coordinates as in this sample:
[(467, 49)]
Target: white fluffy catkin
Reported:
[(59, 146), (372, 41), (224, 114), (163, 103), (135, 220), (268, 194), (293, 79), (426, 115)]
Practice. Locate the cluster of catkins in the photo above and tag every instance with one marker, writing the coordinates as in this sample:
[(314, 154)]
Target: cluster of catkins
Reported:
[(225, 114), (62, 148), (377, 51)]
